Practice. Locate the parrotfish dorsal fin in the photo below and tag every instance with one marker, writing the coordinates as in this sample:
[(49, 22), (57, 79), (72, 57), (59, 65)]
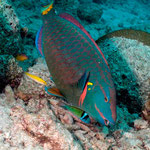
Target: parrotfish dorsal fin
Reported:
[(38, 41), (53, 91), (75, 22), (77, 112), (71, 19)]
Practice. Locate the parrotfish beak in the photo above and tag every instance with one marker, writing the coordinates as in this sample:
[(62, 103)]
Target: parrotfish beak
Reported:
[(102, 119), (106, 122)]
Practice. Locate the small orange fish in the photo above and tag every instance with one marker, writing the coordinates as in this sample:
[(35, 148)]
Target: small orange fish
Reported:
[(21, 57)]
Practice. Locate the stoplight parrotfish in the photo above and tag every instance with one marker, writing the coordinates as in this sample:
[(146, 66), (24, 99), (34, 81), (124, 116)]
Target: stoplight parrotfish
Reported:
[(78, 67)]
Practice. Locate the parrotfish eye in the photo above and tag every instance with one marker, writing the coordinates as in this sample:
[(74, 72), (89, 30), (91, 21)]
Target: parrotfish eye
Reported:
[(106, 122), (106, 99)]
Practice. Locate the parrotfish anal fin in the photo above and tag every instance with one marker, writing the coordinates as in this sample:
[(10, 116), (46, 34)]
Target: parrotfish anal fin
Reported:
[(53, 91), (83, 80), (77, 113), (38, 41)]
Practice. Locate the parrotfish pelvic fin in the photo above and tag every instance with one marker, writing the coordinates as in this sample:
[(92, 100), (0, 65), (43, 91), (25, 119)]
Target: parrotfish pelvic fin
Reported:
[(47, 8), (77, 113), (53, 91)]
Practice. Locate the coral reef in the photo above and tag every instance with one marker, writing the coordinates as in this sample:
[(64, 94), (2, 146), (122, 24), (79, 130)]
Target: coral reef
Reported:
[(14, 73), (32, 119), (9, 25)]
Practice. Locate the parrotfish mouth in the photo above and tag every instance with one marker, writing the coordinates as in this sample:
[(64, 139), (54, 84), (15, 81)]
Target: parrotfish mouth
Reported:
[(106, 121)]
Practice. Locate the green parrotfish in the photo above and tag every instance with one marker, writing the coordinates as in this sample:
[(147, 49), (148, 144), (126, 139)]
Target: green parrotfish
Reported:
[(78, 67)]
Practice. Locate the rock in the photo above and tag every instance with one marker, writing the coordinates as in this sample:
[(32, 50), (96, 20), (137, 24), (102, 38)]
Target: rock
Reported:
[(140, 124), (84, 127), (146, 111), (89, 12), (10, 98), (67, 119), (54, 102), (102, 145), (100, 136), (43, 129), (147, 144), (91, 134), (80, 135), (117, 134)]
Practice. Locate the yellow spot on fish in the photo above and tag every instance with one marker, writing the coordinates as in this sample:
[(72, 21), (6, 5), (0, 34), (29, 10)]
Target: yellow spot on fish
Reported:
[(90, 83), (89, 88), (36, 78)]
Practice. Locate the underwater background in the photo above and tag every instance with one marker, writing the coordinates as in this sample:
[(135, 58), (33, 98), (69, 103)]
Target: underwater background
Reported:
[(32, 119)]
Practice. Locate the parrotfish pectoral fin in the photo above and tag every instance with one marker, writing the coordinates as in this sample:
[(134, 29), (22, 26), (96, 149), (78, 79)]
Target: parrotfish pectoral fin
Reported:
[(83, 80), (53, 91), (83, 83), (76, 112)]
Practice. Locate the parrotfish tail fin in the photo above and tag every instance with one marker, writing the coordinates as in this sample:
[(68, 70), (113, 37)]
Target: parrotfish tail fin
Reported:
[(77, 113), (54, 92), (83, 80), (47, 8), (38, 41)]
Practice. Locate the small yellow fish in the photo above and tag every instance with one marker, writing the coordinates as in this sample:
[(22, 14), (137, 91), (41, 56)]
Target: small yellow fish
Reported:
[(21, 57), (36, 78)]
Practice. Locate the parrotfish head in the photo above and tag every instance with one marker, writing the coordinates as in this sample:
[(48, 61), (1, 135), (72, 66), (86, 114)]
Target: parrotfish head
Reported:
[(101, 105)]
